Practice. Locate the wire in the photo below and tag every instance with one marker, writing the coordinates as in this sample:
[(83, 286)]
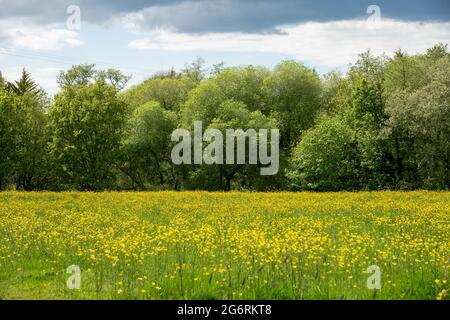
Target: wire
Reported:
[(66, 60)]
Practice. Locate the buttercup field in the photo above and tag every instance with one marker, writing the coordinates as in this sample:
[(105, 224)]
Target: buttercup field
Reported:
[(199, 245)]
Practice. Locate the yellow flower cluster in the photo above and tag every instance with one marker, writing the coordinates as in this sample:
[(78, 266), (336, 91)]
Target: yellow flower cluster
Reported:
[(200, 245)]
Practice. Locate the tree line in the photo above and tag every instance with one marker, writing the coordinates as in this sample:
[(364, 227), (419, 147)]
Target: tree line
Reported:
[(384, 124)]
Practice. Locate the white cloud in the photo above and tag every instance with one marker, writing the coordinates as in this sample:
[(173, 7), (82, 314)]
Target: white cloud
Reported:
[(327, 44), (18, 33)]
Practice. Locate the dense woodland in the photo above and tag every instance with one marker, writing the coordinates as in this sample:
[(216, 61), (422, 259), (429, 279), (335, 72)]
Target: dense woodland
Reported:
[(385, 124)]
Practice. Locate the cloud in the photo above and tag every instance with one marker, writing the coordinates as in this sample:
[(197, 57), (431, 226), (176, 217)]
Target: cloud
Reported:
[(263, 16), (54, 11), (203, 16), (327, 44), (19, 33), (209, 16)]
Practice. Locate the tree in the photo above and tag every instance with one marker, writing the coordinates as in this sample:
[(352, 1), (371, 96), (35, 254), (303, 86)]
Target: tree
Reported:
[(233, 98), (114, 77), (293, 97), (195, 70), (87, 122), (81, 75), (367, 101), (331, 85), (217, 68), (241, 84), (147, 147), (344, 150), (24, 109), (169, 92), (326, 157), (234, 115), (84, 74), (7, 135), (369, 67), (24, 86), (419, 130), (32, 140), (383, 124), (2, 81), (404, 72), (437, 52)]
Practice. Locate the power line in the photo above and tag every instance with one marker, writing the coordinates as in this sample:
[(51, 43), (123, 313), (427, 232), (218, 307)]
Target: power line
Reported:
[(66, 60), (71, 59)]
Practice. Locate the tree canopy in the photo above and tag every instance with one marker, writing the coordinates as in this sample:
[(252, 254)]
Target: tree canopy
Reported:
[(383, 124)]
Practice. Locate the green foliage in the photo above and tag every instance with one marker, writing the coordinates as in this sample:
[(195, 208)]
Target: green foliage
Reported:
[(7, 135), (80, 75), (369, 67), (293, 97), (344, 150), (338, 154), (404, 72), (232, 99), (114, 77), (418, 130), (147, 147), (2, 81), (31, 161), (196, 70), (383, 124), (368, 103), (241, 84), (87, 123), (24, 85), (169, 92), (23, 134), (325, 157), (230, 114), (387, 126), (437, 52), (84, 74)]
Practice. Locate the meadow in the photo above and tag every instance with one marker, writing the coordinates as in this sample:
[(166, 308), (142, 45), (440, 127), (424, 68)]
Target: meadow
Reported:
[(199, 245)]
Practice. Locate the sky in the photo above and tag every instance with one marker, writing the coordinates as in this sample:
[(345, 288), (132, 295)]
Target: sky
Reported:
[(144, 37)]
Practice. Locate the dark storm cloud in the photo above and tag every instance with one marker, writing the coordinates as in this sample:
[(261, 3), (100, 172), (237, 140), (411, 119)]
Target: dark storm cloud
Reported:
[(265, 16), (197, 16), (55, 10)]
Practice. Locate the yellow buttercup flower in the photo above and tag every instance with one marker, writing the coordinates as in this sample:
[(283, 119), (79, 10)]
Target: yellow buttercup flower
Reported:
[(192, 245)]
